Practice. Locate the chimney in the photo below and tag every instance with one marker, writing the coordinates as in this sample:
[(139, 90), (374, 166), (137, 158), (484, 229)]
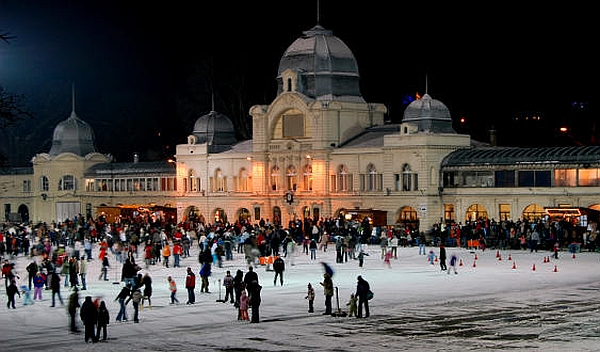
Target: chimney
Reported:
[(493, 137)]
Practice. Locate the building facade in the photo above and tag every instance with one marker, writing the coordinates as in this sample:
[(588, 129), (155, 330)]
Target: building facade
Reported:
[(318, 150)]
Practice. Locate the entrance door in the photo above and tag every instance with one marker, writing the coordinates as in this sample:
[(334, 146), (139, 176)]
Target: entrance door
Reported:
[(67, 210)]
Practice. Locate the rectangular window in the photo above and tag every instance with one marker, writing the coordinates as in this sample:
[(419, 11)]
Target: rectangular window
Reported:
[(565, 177), (257, 213), (505, 178), (543, 178), (293, 125), (448, 212), (526, 179), (504, 211), (26, 185), (588, 177)]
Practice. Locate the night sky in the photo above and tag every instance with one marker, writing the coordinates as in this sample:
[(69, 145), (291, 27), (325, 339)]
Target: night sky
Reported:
[(144, 72)]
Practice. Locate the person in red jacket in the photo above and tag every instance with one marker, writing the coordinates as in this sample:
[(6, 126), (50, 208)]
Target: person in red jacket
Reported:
[(177, 252), (190, 285)]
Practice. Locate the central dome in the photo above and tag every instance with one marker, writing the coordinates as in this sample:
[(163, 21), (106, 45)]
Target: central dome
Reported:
[(326, 68), (73, 135)]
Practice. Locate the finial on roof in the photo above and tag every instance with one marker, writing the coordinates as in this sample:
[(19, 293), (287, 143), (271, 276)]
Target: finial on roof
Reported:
[(73, 96), (318, 12), (426, 85)]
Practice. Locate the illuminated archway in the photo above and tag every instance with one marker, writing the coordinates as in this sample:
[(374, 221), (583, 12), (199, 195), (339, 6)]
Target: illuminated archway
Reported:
[(534, 212), (408, 217), (476, 212), (276, 216), (193, 214), (244, 216), (220, 216)]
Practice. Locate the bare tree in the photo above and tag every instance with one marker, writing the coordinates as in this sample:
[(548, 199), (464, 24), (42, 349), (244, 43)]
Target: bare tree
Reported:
[(11, 105)]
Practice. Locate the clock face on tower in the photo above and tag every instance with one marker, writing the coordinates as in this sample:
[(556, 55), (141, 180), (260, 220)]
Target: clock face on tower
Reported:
[(289, 197)]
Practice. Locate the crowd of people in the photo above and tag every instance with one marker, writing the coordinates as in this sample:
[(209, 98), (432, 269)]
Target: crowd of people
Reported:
[(59, 256)]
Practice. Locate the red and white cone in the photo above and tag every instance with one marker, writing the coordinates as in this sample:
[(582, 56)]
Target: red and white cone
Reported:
[(555, 269), (514, 265), (533, 269)]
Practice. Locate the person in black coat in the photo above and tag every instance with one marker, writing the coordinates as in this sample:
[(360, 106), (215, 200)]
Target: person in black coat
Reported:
[(89, 317), (443, 257), (103, 321), (238, 286), (129, 272), (278, 267), (362, 289), (72, 309), (254, 299), (121, 297), (11, 291), (249, 279), (32, 270), (55, 287)]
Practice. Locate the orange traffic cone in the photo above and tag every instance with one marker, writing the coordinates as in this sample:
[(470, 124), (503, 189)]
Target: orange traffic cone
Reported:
[(509, 256), (555, 269), (497, 254), (460, 263), (499, 258), (533, 269), (545, 260), (474, 263), (475, 256), (514, 265), (573, 255)]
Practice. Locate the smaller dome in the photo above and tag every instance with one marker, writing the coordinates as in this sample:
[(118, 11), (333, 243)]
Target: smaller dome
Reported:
[(429, 114), (73, 135), (215, 129)]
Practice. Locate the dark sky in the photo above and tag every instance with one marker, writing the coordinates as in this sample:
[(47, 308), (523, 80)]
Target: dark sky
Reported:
[(130, 61)]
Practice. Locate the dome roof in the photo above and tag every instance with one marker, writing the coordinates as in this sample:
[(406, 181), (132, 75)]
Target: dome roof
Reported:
[(429, 114), (325, 66), (215, 129), (73, 135)]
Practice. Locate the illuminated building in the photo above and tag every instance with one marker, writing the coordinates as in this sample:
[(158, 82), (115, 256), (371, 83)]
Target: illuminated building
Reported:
[(318, 150)]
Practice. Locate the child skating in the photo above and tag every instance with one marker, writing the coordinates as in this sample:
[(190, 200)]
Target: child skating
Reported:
[(352, 305), (310, 296)]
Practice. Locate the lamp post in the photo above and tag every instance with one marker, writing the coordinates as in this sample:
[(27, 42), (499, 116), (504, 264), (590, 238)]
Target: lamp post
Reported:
[(208, 143)]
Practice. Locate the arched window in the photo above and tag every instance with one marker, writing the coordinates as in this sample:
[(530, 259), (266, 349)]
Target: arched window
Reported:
[(67, 183), (220, 181), (344, 179), (275, 177), (193, 182), (476, 212), (244, 181), (292, 178), (406, 178), (308, 177), (534, 212), (371, 178), (44, 184)]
